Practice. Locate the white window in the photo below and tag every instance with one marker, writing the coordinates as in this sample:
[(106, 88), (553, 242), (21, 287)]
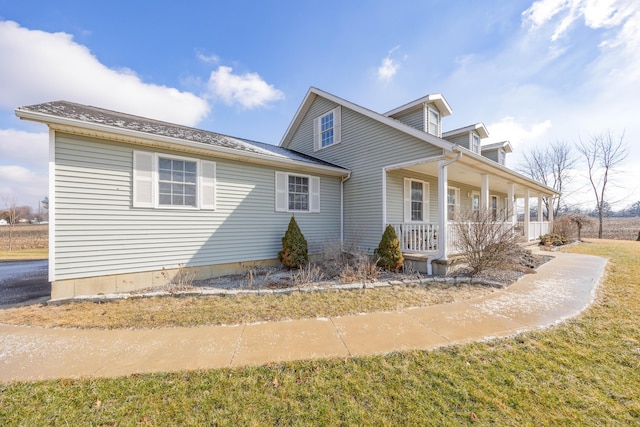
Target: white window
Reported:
[(297, 193), (453, 202), (475, 143), (327, 129), (416, 200), (494, 208), (501, 156), (433, 121), (475, 204), (166, 181)]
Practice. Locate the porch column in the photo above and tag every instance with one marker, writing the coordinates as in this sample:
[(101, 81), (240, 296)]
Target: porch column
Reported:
[(484, 192), (540, 208), (527, 214), (511, 211), (550, 214), (443, 221)]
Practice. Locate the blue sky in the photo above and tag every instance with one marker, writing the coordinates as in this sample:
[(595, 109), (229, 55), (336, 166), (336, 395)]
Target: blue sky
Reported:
[(533, 71)]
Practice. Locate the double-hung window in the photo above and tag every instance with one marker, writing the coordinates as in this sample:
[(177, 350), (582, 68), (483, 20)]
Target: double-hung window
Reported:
[(327, 129), (433, 121), (501, 156), (167, 181), (475, 143), (416, 200), (177, 182), (297, 193), (453, 202)]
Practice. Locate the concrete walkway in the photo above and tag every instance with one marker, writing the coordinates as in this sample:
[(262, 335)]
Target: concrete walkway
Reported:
[(561, 289)]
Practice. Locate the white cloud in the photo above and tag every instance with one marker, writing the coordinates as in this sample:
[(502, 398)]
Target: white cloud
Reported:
[(28, 186), (247, 90), (24, 148), (519, 134), (38, 67), (389, 66)]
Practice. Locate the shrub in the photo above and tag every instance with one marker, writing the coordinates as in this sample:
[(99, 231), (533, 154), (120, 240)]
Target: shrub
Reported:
[(553, 240), (388, 251), (294, 247), (483, 242), (638, 239)]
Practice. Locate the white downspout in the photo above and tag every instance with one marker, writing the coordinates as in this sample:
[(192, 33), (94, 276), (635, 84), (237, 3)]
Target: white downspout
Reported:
[(442, 199), (344, 179)]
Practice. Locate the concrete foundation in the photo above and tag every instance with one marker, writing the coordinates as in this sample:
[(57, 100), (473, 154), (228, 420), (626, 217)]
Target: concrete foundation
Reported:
[(128, 282)]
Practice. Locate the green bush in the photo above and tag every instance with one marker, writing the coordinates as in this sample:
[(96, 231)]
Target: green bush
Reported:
[(388, 251), (553, 240), (294, 247)]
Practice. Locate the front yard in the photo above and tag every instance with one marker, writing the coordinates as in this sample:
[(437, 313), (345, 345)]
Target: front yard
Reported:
[(583, 372)]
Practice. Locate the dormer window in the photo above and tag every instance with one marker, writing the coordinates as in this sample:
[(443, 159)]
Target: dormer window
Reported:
[(501, 156), (433, 121), (327, 129), (475, 143)]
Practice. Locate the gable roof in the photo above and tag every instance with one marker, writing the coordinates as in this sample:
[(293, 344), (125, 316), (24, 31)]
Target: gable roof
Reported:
[(313, 92), (67, 116), (435, 98), (505, 145), (480, 128)]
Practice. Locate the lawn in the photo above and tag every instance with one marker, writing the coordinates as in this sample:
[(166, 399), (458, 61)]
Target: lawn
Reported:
[(583, 372)]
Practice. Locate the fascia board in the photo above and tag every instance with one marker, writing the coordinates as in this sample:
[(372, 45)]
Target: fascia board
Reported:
[(161, 141)]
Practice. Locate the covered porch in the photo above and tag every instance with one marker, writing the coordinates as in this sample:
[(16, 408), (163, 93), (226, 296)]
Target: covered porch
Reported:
[(426, 200)]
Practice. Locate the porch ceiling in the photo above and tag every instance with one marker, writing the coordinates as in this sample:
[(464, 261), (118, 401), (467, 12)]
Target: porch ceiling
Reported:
[(469, 171)]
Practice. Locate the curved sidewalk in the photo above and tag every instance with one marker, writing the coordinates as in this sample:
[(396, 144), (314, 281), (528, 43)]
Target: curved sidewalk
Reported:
[(562, 288)]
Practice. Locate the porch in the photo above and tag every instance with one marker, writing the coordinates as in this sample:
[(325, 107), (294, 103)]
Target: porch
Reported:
[(422, 238)]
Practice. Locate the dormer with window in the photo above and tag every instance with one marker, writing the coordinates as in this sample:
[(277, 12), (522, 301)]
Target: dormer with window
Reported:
[(424, 114), (468, 137), (497, 152)]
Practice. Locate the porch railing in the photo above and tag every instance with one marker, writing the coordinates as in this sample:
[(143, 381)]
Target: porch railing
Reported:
[(454, 241), (419, 237), (536, 229)]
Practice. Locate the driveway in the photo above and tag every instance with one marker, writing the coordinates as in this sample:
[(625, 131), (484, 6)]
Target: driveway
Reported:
[(24, 282)]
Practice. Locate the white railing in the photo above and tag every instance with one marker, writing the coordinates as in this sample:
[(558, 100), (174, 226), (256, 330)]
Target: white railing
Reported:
[(418, 237), (454, 244), (536, 229)]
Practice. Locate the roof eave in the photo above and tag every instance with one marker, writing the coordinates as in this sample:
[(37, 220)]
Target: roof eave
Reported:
[(143, 138)]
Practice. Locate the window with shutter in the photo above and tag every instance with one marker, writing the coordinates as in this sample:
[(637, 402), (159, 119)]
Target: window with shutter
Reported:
[(297, 193), (327, 129)]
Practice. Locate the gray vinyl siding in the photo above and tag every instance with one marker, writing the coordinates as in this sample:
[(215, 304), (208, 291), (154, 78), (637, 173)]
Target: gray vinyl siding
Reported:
[(414, 119), (395, 194), (366, 147), (98, 232), (461, 140), (491, 154)]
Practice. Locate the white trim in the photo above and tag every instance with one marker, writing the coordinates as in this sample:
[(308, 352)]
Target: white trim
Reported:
[(282, 192), (456, 196), (427, 122), (201, 184), (52, 205), (98, 130), (407, 200), (337, 129), (436, 98), (395, 124)]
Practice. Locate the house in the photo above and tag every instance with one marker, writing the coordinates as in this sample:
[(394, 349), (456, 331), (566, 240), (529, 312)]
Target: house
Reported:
[(134, 200), (3, 221)]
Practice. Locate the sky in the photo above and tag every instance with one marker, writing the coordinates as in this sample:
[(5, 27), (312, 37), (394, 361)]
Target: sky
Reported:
[(534, 72)]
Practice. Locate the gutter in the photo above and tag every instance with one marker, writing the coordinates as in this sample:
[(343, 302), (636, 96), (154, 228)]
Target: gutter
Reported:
[(344, 179), (442, 226)]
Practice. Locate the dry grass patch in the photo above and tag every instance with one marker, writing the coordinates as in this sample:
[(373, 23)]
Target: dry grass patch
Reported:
[(233, 309), (583, 372)]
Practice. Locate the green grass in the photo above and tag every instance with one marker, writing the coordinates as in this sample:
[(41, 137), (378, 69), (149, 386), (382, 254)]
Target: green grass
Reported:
[(583, 372), (24, 254)]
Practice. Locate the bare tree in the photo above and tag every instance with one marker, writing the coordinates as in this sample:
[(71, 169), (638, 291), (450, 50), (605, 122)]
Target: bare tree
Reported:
[(603, 153), (551, 166), (11, 214)]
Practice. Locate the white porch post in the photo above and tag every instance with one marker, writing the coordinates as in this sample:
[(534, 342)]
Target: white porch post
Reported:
[(527, 214), (484, 192), (511, 211), (442, 208), (384, 199), (550, 210), (540, 208)]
